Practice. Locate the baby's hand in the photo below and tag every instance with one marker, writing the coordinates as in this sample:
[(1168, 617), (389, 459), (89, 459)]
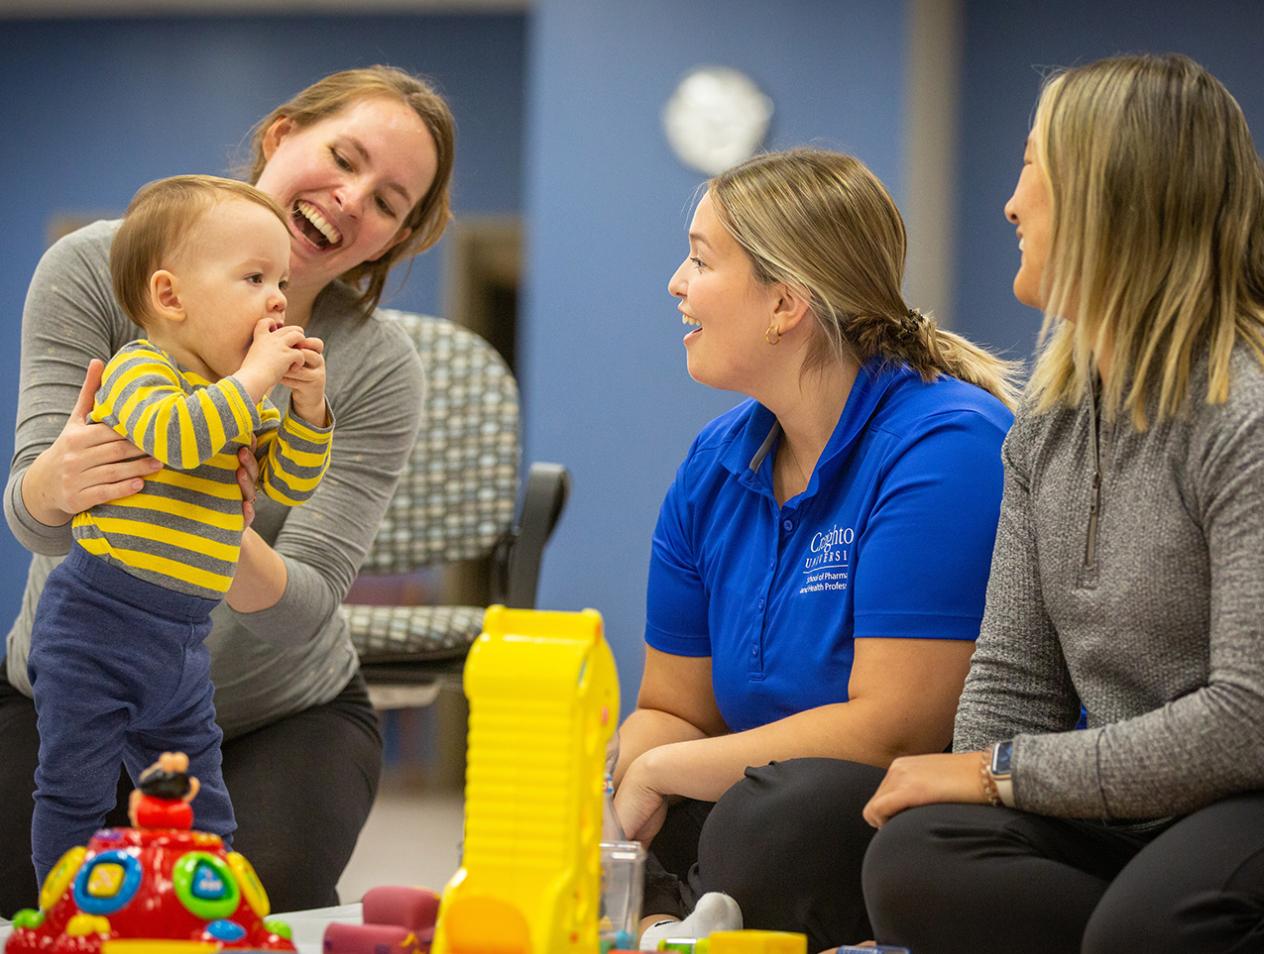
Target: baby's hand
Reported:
[(274, 351), (307, 384)]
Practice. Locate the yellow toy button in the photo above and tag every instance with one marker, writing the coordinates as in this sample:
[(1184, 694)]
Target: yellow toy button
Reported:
[(81, 925), (251, 887), (61, 876), (757, 942), (105, 880)]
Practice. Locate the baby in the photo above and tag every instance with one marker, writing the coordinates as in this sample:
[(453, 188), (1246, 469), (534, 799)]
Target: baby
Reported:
[(118, 663)]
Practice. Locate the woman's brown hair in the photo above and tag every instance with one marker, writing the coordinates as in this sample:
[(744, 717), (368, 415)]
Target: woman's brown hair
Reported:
[(430, 216)]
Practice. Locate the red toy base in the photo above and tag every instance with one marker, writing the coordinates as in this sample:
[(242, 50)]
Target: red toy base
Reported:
[(180, 888)]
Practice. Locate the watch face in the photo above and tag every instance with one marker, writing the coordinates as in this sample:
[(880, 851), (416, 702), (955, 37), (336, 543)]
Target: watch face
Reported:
[(1002, 755), (716, 118)]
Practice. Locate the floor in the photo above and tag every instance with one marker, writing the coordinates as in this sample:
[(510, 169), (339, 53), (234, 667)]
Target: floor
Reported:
[(412, 838), (413, 834)]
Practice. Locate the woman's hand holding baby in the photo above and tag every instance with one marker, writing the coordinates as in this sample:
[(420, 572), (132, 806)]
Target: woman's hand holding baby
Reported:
[(88, 464)]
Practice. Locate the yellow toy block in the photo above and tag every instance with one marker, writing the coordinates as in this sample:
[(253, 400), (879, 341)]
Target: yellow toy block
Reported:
[(544, 700)]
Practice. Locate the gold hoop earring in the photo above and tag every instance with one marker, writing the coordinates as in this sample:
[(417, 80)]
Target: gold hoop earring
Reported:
[(772, 335)]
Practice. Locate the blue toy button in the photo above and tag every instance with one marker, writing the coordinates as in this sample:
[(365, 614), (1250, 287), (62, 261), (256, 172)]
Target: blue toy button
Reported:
[(107, 883), (226, 931), (207, 884)]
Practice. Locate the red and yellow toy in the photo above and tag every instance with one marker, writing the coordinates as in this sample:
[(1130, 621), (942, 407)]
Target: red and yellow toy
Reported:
[(156, 887)]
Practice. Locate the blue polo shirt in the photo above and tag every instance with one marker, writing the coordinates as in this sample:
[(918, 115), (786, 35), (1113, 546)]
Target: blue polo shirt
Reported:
[(892, 538)]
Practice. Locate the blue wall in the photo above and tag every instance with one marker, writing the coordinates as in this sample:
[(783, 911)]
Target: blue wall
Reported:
[(1008, 43), (600, 355), (95, 108)]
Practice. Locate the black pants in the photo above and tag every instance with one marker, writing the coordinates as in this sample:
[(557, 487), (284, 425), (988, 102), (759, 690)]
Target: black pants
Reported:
[(302, 786), (969, 878), (786, 842)]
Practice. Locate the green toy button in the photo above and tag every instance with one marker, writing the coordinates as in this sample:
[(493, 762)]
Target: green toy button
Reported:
[(205, 886), (28, 918)]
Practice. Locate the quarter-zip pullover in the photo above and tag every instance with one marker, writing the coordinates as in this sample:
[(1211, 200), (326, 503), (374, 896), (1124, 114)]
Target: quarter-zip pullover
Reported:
[(1128, 577)]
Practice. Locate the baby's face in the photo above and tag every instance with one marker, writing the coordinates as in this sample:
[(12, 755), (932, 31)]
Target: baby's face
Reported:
[(232, 272)]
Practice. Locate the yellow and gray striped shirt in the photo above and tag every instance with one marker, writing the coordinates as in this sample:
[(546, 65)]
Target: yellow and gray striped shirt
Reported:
[(183, 530)]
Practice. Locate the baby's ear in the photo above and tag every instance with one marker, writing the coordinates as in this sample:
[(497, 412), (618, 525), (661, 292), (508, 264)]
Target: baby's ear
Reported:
[(164, 296)]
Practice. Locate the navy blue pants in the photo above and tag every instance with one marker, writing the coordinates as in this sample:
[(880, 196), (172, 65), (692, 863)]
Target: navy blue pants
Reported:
[(120, 673)]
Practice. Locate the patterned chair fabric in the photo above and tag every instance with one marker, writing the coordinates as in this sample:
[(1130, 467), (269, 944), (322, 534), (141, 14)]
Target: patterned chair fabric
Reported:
[(457, 495), (406, 634)]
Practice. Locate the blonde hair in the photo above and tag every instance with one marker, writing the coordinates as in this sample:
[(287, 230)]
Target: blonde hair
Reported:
[(430, 216), (157, 221), (1157, 243), (824, 224)]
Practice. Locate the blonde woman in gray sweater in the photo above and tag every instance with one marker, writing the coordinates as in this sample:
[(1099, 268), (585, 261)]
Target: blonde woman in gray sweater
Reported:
[(1128, 576)]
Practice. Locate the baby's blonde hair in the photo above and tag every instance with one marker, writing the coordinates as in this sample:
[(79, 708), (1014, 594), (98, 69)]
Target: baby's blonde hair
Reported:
[(158, 220)]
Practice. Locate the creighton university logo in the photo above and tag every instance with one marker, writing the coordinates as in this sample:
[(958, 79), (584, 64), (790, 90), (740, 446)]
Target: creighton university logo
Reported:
[(827, 563)]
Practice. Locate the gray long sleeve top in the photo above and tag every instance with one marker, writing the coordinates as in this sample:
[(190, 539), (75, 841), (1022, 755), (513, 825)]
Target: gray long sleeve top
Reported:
[(1156, 626), (297, 653)]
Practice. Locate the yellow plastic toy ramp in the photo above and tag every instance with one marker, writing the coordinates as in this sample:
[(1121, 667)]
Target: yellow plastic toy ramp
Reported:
[(544, 700), (757, 942)]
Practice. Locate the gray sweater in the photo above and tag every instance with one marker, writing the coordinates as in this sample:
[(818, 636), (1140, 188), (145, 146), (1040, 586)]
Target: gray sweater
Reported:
[(296, 654), (1156, 625)]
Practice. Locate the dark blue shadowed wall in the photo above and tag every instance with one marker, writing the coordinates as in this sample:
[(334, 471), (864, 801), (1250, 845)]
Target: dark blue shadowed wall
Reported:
[(1009, 46)]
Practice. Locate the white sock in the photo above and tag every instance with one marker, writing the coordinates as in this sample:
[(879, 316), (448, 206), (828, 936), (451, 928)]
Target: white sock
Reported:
[(714, 912)]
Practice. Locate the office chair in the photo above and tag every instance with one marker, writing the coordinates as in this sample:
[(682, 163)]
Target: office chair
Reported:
[(455, 501)]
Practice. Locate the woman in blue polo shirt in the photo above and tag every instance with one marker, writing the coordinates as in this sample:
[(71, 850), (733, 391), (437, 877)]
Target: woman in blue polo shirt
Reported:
[(819, 565)]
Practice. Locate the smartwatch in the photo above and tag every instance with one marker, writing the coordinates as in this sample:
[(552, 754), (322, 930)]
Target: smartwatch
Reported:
[(1001, 773)]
